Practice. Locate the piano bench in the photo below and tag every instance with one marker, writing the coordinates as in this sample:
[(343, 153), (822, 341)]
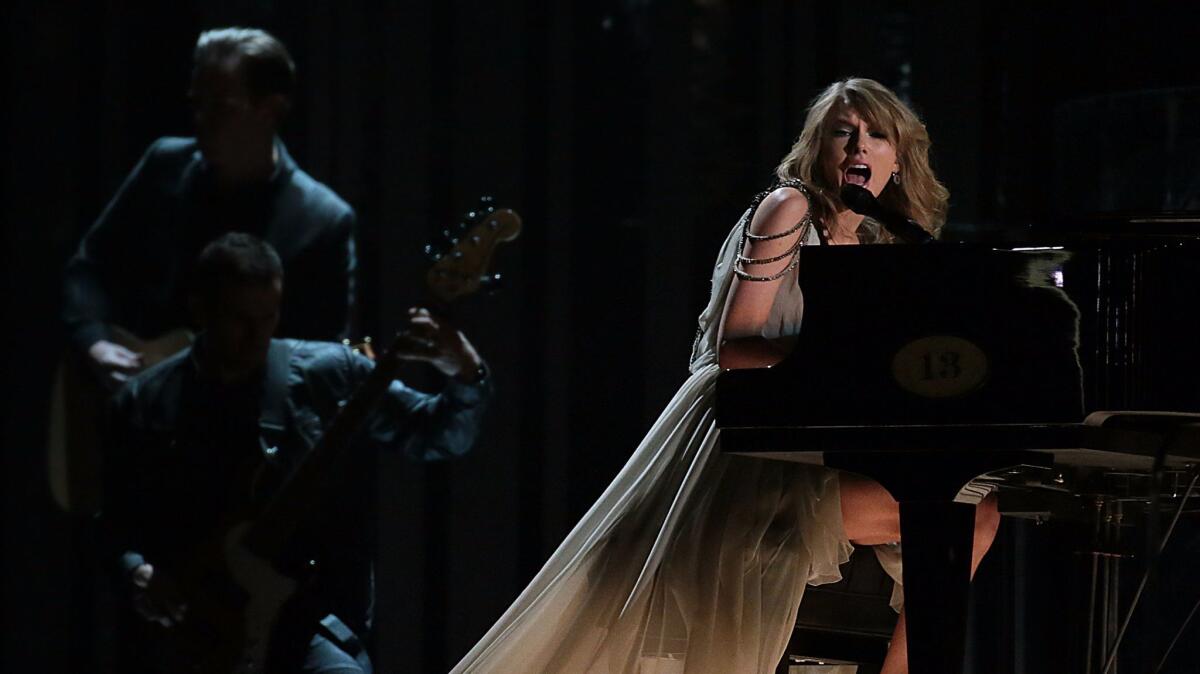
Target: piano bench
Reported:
[(847, 622)]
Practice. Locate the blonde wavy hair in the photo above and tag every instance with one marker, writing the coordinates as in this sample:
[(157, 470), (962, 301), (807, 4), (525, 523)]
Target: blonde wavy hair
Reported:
[(919, 195)]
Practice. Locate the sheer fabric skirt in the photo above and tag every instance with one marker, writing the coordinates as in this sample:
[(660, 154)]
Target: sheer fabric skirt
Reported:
[(691, 562)]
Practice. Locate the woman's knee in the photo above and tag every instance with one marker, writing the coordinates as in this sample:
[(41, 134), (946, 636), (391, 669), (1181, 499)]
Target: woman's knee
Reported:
[(869, 513)]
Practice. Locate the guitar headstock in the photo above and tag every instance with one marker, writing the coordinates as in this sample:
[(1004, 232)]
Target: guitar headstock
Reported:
[(462, 258)]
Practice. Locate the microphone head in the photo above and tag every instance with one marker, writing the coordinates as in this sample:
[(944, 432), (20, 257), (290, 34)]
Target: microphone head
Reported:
[(859, 199)]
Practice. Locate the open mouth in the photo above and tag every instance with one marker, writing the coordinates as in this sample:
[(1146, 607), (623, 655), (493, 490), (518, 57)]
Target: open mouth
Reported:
[(858, 174)]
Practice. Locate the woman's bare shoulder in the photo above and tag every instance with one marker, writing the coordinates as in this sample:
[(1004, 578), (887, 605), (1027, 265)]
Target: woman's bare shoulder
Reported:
[(779, 211)]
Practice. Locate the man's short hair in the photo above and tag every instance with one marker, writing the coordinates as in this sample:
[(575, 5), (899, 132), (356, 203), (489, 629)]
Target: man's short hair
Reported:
[(262, 60), (235, 258)]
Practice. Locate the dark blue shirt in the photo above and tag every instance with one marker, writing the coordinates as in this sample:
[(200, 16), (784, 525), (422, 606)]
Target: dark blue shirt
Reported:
[(184, 451), (131, 269)]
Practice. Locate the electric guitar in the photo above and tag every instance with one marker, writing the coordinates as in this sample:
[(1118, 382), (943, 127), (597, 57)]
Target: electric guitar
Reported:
[(233, 586)]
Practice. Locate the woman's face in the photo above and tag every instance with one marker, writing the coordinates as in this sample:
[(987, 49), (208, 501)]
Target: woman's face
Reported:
[(854, 152)]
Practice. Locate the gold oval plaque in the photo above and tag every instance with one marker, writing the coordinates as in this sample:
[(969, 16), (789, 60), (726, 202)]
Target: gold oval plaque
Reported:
[(940, 366)]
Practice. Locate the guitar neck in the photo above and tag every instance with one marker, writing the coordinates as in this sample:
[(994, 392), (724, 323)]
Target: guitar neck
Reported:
[(460, 268)]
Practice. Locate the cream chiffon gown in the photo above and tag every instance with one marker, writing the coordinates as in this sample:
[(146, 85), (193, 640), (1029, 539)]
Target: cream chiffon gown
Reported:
[(691, 562)]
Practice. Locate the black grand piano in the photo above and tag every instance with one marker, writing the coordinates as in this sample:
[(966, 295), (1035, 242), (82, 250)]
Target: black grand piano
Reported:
[(1024, 366)]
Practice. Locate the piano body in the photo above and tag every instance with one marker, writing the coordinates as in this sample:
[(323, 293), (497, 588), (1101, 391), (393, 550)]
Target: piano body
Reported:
[(1029, 367)]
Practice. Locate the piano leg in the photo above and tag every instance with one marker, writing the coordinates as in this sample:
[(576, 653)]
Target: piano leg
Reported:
[(936, 539)]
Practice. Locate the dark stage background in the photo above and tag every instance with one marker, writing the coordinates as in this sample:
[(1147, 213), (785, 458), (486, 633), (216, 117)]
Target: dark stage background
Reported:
[(630, 134)]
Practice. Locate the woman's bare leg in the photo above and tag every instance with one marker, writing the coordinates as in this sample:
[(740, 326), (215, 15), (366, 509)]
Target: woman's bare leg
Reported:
[(987, 522), (871, 517), (896, 660)]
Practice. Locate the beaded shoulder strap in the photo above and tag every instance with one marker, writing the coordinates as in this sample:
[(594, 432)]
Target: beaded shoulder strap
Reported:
[(803, 227)]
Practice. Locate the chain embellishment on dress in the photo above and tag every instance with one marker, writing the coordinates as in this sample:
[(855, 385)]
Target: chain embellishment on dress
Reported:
[(743, 260), (805, 224)]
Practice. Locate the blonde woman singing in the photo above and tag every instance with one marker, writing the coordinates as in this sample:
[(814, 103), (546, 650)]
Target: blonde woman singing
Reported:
[(694, 562)]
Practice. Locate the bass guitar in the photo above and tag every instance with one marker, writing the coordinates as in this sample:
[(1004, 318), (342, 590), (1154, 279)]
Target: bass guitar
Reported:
[(233, 585)]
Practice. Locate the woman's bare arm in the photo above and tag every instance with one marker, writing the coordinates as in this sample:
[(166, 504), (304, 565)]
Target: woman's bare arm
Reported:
[(749, 307)]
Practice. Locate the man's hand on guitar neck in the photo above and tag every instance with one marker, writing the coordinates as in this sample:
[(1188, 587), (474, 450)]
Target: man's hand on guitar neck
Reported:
[(112, 363), (155, 596), (436, 342)]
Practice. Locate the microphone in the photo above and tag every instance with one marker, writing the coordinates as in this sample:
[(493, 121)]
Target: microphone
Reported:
[(861, 201)]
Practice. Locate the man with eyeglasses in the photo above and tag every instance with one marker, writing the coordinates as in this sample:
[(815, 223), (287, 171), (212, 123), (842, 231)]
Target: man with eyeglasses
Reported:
[(235, 175)]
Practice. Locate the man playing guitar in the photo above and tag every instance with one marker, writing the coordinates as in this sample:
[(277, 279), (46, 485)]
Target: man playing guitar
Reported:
[(234, 428), (235, 175), (124, 290)]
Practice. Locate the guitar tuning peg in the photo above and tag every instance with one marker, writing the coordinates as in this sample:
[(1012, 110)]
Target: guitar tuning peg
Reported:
[(491, 284), (472, 217), (433, 253), (486, 202), (464, 226), (449, 237)]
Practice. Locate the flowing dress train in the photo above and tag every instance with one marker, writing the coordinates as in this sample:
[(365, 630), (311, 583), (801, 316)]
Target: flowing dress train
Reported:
[(691, 562)]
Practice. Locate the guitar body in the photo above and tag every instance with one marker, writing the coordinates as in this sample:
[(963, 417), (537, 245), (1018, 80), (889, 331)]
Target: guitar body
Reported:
[(77, 404), (234, 602)]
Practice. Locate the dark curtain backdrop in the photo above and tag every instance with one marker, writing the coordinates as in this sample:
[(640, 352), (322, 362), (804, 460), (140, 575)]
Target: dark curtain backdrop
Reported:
[(630, 134)]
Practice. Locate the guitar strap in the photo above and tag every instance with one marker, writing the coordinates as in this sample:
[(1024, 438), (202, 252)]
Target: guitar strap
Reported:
[(274, 415), (274, 420)]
